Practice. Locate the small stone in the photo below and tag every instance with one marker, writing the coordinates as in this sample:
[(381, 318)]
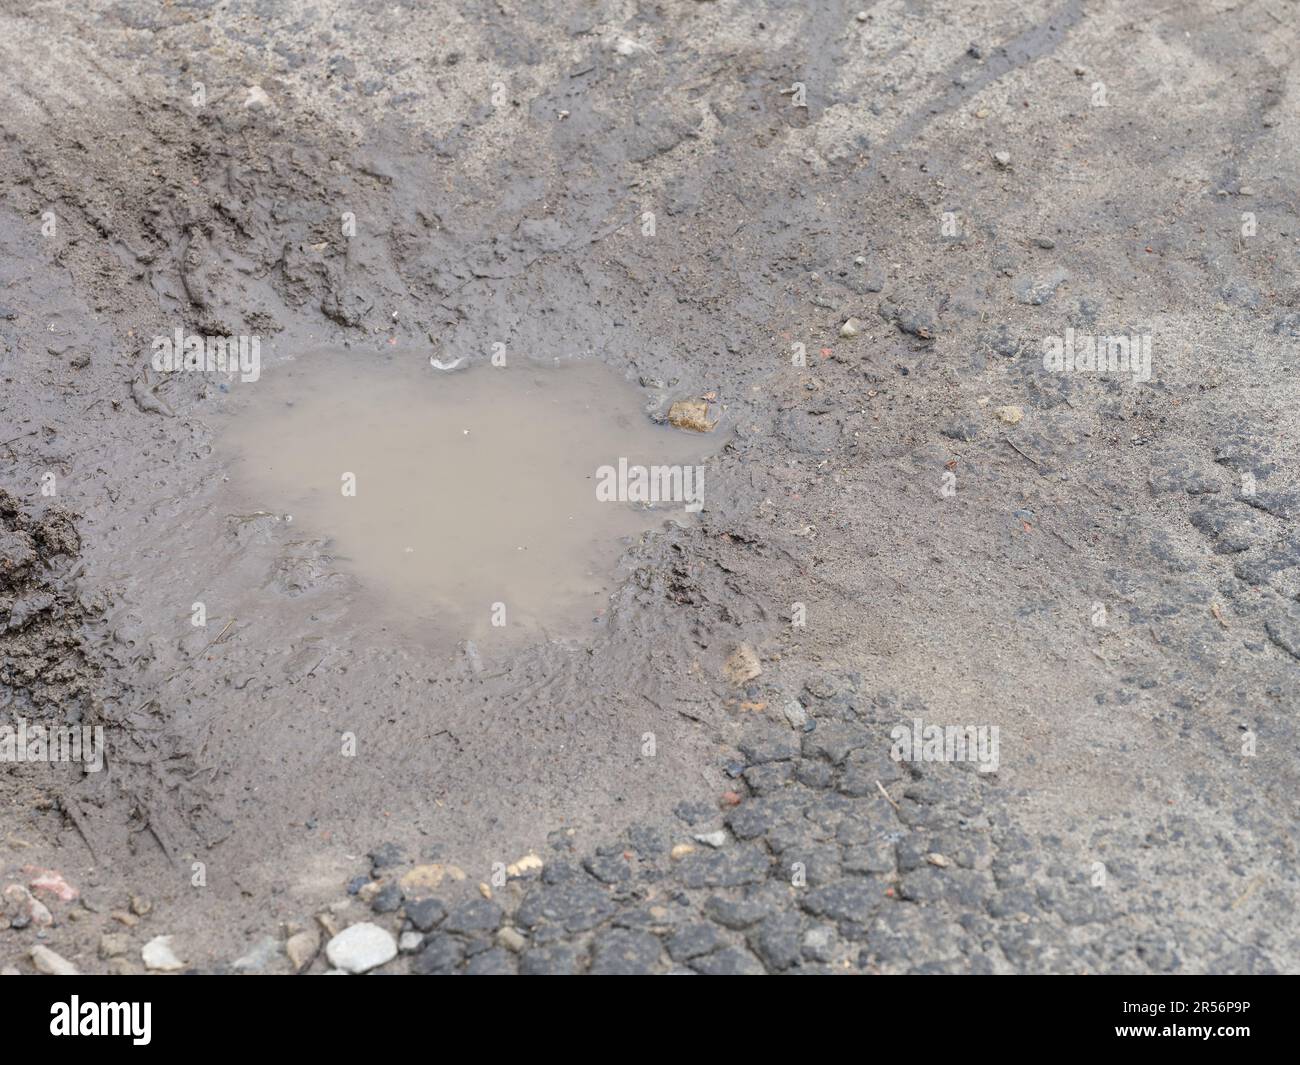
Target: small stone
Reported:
[(1046, 243), (485, 889), (693, 812), (475, 915), (938, 859), (851, 328), (512, 939), (361, 947), (694, 940), (128, 919), (736, 914), (425, 913), (425, 879), (385, 856), (52, 882), (1010, 414), (795, 714), (1003, 159), (113, 945), (159, 956), (388, 899), (681, 851), (51, 964), (302, 949), (626, 46), (410, 942), (742, 666), (713, 839), (140, 906), (257, 100), (963, 430), (441, 954), (25, 908), (691, 414), (529, 863), (817, 943)]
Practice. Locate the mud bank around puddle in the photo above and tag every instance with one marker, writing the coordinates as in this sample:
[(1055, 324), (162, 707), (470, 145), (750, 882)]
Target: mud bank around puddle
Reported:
[(334, 702)]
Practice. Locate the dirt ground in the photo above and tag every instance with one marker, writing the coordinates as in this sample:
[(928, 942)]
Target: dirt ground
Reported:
[(858, 227)]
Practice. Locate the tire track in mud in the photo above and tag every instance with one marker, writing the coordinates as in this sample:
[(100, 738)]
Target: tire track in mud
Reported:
[(1042, 38)]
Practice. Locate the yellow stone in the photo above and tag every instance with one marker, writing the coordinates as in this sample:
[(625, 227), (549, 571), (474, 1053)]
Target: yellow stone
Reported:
[(691, 414)]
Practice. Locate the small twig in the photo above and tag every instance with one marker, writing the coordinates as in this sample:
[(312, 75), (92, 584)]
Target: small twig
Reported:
[(20, 436), (73, 814), (221, 634), (888, 798), (312, 672), (1022, 454), (167, 851)]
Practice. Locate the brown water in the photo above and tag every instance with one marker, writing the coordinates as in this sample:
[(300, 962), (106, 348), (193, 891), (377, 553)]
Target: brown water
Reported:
[(475, 491)]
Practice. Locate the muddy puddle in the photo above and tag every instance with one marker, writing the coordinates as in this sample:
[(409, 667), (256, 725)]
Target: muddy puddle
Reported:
[(487, 501)]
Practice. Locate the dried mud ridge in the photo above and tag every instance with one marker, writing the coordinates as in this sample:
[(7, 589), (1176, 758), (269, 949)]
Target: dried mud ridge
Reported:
[(44, 658), (1174, 505)]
